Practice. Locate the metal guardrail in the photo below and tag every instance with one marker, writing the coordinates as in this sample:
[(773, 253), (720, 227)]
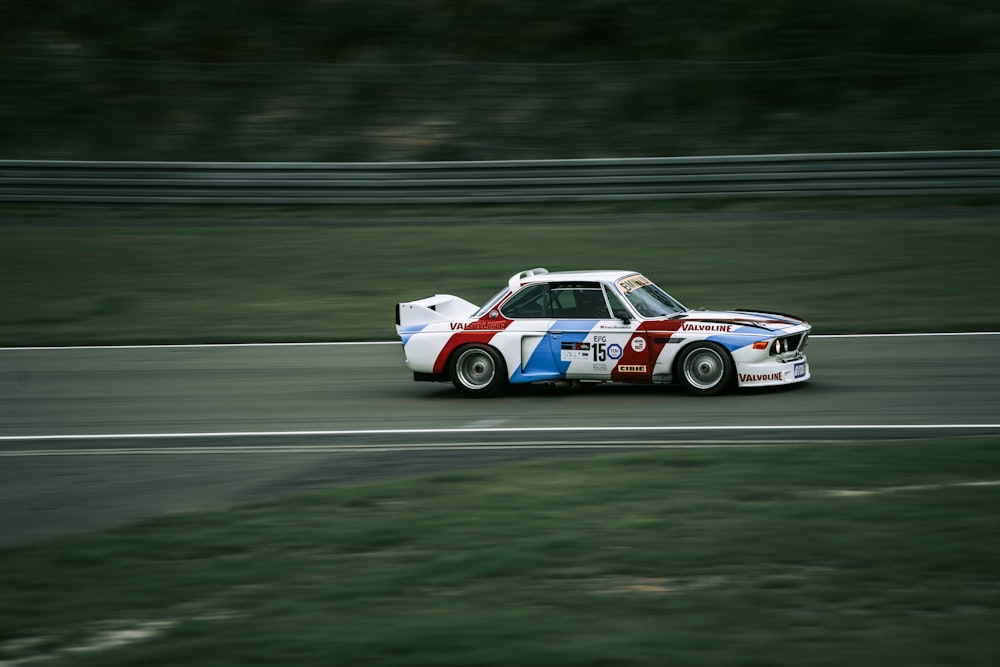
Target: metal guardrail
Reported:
[(804, 175)]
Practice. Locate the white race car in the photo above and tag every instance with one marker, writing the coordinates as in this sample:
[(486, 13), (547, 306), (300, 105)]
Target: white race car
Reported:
[(596, 326)]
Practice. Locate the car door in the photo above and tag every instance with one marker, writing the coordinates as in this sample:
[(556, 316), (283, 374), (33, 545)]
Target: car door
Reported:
[(587, 341), (532, 359)]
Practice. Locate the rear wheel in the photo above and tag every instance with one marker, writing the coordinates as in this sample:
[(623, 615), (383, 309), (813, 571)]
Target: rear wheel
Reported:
[(707, 369), (478, 370)]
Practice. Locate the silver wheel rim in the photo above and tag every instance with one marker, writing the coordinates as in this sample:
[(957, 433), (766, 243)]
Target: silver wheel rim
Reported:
[(704, 368), (475, 369)]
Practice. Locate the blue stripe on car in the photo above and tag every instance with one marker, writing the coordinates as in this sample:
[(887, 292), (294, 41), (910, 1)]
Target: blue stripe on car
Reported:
[(539, 366), (740, 337), (405, 333)]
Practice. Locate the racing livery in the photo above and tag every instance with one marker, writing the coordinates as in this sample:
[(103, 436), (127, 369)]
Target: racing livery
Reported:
[(596, 326)]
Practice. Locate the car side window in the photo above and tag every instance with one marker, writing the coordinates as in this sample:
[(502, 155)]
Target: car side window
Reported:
[(531, 302), (579, 301), (618, 306)]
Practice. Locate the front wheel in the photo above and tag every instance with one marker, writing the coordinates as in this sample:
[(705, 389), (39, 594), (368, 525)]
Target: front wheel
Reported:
[(478, 371), (707, 369)]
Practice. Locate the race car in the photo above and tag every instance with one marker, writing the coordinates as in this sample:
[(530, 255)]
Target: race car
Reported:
[(596, 326)]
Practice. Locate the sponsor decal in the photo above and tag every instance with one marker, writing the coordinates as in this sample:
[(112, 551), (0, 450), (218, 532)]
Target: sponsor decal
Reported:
[(478, 325), (632, 369), (627, 285), (714, 328), (800, 370), (600, 368), (597, 350), (763, 377), (574, 351), (638, 344)]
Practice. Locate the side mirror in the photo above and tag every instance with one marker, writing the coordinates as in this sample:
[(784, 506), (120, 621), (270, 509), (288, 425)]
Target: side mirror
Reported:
[(623, 315)]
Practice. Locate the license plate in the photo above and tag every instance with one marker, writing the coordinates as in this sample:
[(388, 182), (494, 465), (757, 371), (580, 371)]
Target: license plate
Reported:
[(800, 369)]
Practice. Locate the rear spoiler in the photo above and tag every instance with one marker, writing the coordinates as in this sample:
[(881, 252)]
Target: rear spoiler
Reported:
[(437, 308)]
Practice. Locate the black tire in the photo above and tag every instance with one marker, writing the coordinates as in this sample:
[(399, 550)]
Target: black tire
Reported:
[(478, 370), (706, 369)]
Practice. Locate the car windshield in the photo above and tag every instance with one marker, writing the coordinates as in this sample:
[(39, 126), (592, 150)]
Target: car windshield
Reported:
[(647, 298)]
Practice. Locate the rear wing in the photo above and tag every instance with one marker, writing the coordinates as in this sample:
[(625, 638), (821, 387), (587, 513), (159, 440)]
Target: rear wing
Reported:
[(437, 308)]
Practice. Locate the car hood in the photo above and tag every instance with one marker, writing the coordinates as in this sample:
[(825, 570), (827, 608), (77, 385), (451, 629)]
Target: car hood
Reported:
[(703, 320)]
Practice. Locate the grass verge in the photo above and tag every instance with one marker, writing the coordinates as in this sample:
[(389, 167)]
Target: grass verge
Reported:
[(93, 276), (866, 554)]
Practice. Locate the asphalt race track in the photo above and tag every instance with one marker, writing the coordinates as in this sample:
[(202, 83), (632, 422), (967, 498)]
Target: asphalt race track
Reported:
[(94, 437)]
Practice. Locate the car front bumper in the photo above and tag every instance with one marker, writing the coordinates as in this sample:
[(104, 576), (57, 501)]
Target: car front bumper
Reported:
[(773, 373)]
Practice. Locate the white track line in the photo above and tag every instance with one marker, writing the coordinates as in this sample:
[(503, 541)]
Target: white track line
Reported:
[(854, 493), (603, 446), (498, 430), (384, 342), (409, 447)]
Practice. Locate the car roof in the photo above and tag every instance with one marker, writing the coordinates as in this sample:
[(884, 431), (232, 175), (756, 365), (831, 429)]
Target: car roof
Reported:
[(544, 276)]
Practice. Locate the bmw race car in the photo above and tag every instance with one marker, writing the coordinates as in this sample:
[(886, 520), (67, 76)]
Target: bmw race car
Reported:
[(596, 326)]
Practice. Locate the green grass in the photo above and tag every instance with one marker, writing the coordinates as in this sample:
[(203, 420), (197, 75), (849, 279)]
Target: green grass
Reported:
[(90, 276), (709, 557)]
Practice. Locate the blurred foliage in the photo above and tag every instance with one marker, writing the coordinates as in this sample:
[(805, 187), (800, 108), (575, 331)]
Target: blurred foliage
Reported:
[(483, 79)]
